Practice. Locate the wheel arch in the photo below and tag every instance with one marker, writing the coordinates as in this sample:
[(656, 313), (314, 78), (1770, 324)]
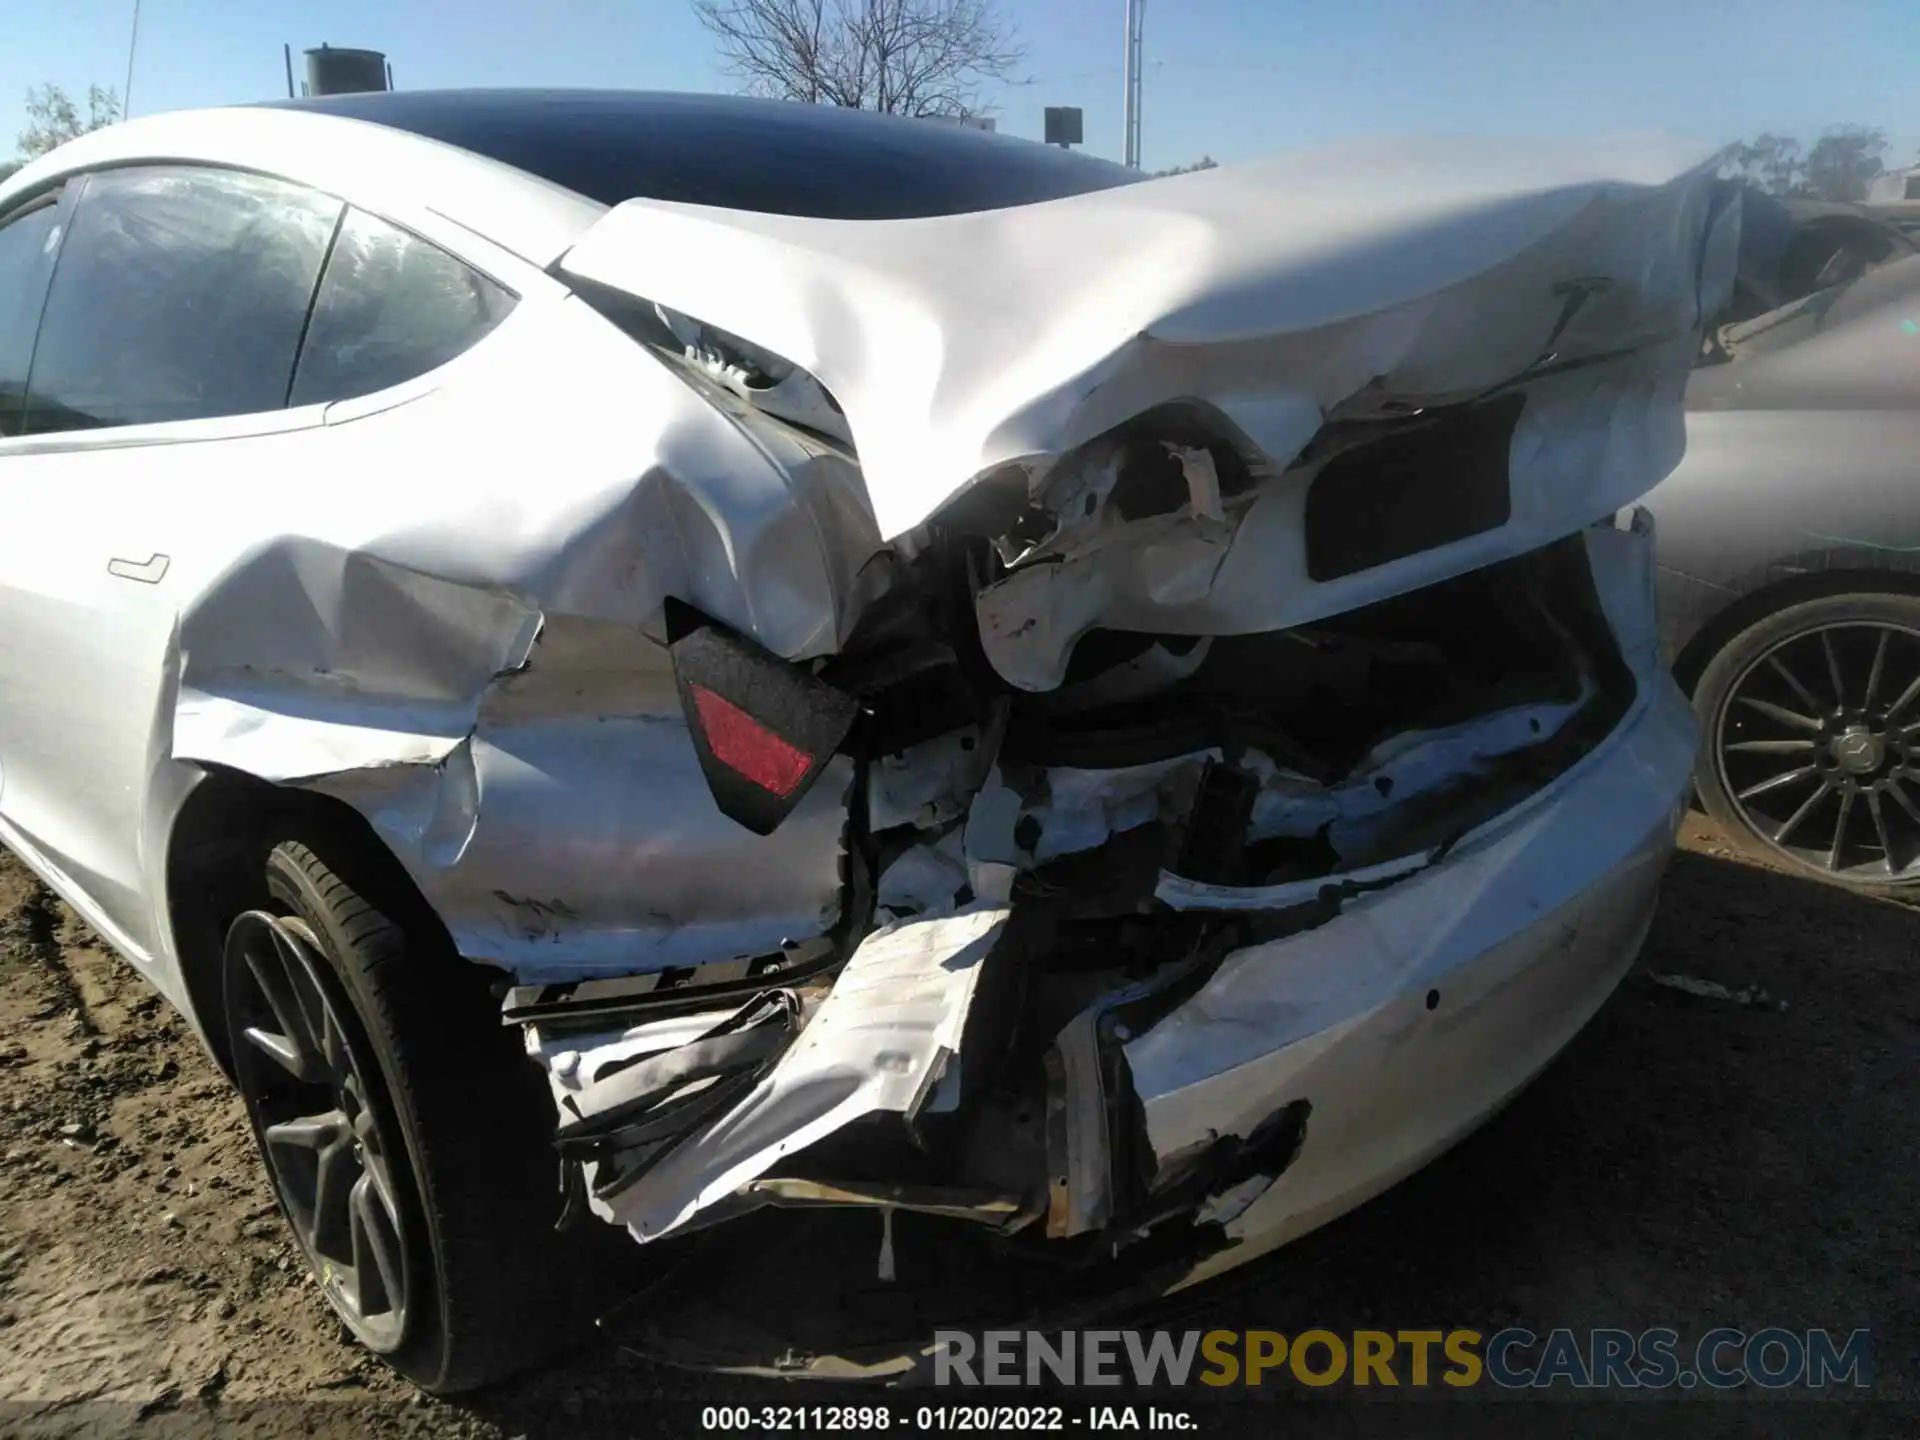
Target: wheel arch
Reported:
[(1769, 595), (216, 851)]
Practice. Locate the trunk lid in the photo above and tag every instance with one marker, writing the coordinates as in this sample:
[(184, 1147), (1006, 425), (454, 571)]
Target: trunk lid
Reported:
[(1363, 280)]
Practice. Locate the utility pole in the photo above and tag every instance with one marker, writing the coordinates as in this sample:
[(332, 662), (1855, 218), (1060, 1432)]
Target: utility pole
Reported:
[(126, 93), (1136, 22)]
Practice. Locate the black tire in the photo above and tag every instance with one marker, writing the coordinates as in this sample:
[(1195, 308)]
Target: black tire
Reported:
[(460, 1115), (1834, 803)]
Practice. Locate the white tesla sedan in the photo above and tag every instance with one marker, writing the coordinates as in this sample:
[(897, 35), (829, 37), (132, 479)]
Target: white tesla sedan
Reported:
[(786, 657)]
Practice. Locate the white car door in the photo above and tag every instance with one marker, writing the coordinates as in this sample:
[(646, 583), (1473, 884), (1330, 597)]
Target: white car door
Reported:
[(155, 397), (29, 237)]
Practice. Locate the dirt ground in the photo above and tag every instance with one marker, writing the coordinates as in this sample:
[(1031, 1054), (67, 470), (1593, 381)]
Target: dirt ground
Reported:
[(1689, 1162)]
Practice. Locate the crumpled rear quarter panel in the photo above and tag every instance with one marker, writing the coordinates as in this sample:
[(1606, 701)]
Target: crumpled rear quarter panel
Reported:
[(469, 649)]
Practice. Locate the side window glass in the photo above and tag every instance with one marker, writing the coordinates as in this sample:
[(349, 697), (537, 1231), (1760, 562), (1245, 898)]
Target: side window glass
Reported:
[(179, 294), (27, 243), (391, 306)]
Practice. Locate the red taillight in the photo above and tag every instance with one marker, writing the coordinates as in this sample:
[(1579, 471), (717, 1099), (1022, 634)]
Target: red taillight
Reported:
[(744, 745), (763, 727)]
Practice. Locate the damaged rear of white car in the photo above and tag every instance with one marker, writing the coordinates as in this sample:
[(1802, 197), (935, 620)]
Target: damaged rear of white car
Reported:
[(1104, 731), (1260, 766)]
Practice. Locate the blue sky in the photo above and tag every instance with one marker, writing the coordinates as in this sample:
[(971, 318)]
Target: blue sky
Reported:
[(1230, 78)]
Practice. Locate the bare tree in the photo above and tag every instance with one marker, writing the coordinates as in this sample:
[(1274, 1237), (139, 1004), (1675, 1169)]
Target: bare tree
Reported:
[(53, 119), (904, 57)]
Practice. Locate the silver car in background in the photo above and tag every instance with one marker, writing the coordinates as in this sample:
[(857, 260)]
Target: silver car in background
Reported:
[(1789, 567), (1080, 724)]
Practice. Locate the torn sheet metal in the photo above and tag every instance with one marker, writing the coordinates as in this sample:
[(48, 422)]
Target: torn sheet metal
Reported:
[(928, 878), (1411, 1014), (926, 784), (1588, 441), (583, 1069), (575, 835), (1621, 559), (1275, 290), (317, 659), (1408, 767), (1182, 892), (1073, 810), (883, 1041), (632, 1113), (1394, 1079)]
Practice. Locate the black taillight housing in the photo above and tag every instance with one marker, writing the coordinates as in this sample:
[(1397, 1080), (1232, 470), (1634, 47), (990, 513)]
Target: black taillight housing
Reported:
[(763, 727)]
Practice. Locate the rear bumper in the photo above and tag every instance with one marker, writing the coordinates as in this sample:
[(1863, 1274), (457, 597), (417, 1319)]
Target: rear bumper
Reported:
[(1421, 1009), (1519, 936), (1270, 1089)]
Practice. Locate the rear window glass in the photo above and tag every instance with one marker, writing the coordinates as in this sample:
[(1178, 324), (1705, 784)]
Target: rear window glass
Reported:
[(391, 306)]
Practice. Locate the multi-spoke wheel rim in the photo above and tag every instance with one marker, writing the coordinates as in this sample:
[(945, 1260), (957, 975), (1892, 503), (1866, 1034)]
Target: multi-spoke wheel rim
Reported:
[(1818, 750), (306, 1089)]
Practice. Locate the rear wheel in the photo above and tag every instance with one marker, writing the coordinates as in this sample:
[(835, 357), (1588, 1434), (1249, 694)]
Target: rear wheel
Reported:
[(1810, 734), (405, 1133), (325, 1127)]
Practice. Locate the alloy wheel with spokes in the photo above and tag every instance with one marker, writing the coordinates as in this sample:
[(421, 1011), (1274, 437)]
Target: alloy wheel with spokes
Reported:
[(308, 1088), (1816, 747)]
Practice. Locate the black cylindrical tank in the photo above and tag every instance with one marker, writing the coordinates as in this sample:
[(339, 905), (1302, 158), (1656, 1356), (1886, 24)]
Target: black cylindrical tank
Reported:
[(345, 72)]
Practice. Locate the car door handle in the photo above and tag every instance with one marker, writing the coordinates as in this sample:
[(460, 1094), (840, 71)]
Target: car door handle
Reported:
[(148, 572)]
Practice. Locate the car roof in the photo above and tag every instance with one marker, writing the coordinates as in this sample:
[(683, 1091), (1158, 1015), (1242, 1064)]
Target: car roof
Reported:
[(775, 156)]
